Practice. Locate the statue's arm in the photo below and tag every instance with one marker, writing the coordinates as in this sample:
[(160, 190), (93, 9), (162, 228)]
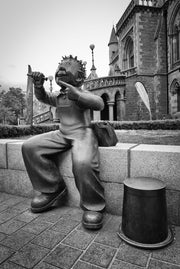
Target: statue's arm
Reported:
[(39, 90), (89, 100), (83, 98), (45, 97)]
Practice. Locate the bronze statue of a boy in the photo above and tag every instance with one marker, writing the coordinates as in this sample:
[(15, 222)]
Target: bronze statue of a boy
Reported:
[(73, 106)]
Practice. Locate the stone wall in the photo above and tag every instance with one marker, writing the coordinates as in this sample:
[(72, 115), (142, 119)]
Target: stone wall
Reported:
[(116, 164)]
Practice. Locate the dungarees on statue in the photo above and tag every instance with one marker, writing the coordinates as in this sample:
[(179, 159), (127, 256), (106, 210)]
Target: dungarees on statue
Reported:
[(75, 133)]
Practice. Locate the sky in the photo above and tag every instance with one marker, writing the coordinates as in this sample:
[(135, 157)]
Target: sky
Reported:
[(40, 32)]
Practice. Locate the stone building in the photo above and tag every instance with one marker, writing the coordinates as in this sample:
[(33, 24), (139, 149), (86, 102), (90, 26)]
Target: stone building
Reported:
[(144, 46)]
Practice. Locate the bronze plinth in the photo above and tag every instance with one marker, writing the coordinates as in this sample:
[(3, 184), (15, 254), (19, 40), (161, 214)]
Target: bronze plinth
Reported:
[(144, 218)]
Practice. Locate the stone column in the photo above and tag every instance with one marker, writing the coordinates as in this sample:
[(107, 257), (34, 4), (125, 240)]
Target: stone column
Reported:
[(96, 115), (118, 108), (111, 110), (122, 108)]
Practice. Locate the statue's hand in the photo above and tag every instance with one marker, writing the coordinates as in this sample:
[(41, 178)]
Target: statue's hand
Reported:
[(72, 92), (38, 79)]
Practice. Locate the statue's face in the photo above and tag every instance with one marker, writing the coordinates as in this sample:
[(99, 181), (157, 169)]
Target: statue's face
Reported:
[(68, 71)]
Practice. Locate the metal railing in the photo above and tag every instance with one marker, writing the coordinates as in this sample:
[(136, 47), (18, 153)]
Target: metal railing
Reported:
[(42, 117)]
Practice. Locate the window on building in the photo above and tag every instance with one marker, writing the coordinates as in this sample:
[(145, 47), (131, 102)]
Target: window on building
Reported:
[(175, 38), (175, 96), (128, 57), (176, 48)]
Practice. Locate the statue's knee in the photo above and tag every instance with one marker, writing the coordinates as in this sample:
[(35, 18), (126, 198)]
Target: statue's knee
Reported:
[(81, 165), (27, 146)]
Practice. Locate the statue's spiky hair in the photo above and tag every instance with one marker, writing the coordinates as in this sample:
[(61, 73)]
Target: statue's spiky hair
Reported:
[(82, 65)]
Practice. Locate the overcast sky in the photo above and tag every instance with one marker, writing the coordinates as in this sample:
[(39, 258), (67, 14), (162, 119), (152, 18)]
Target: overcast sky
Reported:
[(40, 32)]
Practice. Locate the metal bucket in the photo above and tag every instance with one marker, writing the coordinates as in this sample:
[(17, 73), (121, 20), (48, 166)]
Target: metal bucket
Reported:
[(144, 217)]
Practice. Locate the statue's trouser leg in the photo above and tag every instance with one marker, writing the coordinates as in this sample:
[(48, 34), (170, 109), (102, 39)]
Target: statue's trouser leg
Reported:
[(85, 158), (44, 174), (41, 168)]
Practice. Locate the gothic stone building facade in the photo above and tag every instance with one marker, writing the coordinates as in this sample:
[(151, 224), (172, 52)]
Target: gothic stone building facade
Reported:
[(144, 46)]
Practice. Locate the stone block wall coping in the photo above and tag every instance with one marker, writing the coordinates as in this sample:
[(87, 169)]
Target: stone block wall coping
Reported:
[(116, 164)]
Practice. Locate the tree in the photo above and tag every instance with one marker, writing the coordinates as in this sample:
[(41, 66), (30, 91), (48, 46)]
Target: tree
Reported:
[(7, 116), (14, 100)]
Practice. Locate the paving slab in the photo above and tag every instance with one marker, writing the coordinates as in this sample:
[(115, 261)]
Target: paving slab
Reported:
[(29, 255), (17, 240), (155, 264), (56, 239), (36, 226), (44, 265), (108, 238), (117, 264), (84, 265), (10, 265), (49, 239), (79, 239), (5, 253), (63, 256), (169, 254), (99, 255), (133, 255), (11, 226)]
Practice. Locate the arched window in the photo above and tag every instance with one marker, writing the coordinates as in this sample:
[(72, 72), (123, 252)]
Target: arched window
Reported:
[(175, 95), (117, 106), (175, 37), (128, 57), (175, 44), (105, 111)]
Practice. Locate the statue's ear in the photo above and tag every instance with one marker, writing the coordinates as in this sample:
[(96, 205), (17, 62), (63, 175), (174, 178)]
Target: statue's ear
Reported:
[(79, 81)]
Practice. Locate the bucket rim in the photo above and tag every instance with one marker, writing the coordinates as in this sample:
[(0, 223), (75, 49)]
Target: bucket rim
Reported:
[(169, 239), (144, 183)]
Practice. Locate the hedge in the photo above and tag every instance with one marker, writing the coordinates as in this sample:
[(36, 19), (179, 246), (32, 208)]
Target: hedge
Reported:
[(147, 125), (7, 131)]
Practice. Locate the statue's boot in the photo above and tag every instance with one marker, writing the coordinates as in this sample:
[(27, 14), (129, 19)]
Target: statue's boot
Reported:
[(92, 220), (45, 201)]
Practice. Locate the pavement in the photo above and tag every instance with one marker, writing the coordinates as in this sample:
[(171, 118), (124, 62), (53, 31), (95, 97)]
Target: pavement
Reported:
[(56, 239)]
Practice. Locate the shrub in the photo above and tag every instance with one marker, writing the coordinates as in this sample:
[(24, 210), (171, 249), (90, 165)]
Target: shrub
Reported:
[(146, 125), (7, 131)]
